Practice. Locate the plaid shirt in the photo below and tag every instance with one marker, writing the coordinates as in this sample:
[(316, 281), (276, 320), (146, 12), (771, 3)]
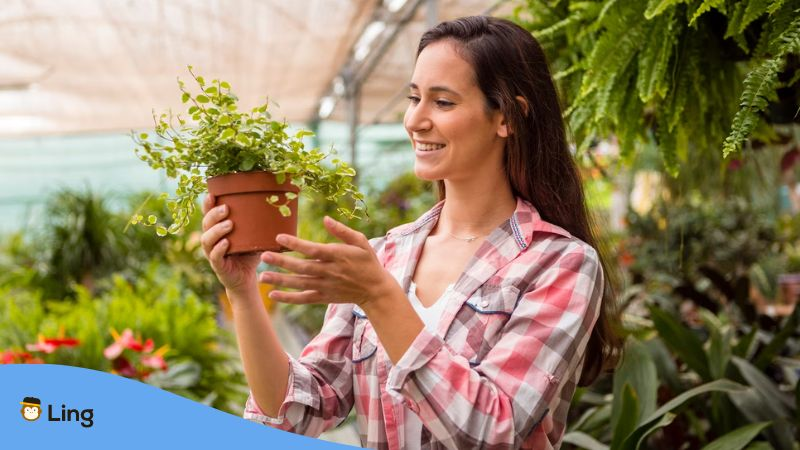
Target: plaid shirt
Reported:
[(500, 370)]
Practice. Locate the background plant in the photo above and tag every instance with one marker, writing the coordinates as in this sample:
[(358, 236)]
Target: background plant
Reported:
[(693, 76)]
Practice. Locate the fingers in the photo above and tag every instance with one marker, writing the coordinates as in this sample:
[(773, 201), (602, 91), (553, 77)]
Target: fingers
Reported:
[(296, 265), (345, 233), (212, 236), (305, 282), (308, 248), (208, 203), (214, 215), (217, 253), (298, 298)]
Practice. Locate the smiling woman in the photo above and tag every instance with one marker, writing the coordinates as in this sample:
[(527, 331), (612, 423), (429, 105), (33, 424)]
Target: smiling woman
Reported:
[(472, 326)]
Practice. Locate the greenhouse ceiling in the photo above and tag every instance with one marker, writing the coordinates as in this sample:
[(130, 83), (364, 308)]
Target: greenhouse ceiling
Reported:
[(104, 65)]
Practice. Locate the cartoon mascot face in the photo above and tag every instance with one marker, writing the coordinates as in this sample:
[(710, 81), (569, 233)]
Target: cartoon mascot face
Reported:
[(31, 408)]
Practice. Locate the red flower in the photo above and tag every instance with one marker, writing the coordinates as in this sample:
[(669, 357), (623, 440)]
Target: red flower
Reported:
[(13, 357), (49, 345), (147, 359)]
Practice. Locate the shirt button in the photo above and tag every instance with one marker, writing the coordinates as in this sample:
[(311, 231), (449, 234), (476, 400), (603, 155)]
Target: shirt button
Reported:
[(485, 304)]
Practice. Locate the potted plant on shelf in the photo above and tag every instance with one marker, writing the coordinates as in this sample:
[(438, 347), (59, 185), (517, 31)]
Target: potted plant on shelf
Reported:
[(246, 160)]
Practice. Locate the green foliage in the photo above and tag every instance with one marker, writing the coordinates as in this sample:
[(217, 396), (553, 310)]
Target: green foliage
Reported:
[(669, 72), (203, 362), (219, 139)]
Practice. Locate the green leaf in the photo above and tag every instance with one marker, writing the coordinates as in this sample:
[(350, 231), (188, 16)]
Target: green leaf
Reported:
[(273, 199), (143, 136), (227, 134), (224, 120), (656, 7), (211, 90), (291, 196), (202, 99), (185, 97), (723, 385), (663, 416), (765, 387), (243, 140), (247, 164), (738, 438), (280, 178), (224, 85), (161, 230), (682, 341), (638, 370), (635, 440), (193, 109), (583, 440), (285, 211), (151, 219), (778, 342), (628, 416)]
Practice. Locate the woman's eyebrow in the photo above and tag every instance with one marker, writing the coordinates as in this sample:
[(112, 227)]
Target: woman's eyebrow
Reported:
[(435, 89)]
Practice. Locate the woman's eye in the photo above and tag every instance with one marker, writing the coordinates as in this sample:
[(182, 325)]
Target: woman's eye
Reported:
[(444, 103), (413, 99)]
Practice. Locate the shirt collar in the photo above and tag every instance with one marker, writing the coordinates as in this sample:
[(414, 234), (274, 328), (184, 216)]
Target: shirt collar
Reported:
[(525, 221)]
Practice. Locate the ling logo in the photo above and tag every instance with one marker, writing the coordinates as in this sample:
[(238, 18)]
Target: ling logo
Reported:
[(31, 408)]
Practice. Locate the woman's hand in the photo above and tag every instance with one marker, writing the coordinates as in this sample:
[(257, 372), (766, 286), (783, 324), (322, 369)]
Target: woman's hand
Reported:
[(334, 273), (235, 272)]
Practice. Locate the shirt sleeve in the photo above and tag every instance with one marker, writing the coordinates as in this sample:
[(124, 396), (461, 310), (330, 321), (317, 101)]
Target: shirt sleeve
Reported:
[(319, 395), (499, 402)]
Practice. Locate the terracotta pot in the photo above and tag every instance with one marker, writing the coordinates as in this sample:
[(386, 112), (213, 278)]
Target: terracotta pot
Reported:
[(255, 222)]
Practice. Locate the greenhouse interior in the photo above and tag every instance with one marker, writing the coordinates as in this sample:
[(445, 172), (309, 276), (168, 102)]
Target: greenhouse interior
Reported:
[(682, 119)]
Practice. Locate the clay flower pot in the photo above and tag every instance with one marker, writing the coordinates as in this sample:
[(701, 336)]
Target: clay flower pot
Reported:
[(256, 223)]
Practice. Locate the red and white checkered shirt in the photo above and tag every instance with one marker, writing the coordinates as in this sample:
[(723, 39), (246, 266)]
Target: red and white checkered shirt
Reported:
[(501, 368)]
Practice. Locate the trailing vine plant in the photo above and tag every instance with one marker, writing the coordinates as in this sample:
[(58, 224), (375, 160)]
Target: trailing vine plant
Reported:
[(216, 138)]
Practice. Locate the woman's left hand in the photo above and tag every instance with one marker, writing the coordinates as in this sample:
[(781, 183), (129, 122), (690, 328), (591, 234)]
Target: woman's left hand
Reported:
[(333, 273)]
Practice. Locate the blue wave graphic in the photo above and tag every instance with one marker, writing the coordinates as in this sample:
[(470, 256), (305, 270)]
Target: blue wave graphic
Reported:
[(125, 414)]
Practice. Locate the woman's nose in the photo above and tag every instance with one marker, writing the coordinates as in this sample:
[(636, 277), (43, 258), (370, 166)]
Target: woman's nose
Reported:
[(417, 119)]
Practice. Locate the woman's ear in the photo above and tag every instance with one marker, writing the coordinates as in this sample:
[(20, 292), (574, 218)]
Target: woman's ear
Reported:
[(504, 130)]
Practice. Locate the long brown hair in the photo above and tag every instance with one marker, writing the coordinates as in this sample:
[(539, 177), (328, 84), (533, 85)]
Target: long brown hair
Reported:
[(508, 63)]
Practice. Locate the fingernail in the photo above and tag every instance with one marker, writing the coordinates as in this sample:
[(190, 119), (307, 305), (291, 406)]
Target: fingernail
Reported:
[(267, 257), (224, 242), (227, 224), (282, 239), (222, 208)]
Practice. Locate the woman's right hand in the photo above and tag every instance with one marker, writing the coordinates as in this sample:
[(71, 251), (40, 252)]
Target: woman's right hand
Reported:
[(235, 272)]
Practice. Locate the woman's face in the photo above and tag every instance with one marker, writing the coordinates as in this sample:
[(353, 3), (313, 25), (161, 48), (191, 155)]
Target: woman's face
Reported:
[(453, 136)]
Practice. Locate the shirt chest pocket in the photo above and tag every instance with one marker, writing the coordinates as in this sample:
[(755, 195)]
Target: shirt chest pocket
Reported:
[(481, 319)]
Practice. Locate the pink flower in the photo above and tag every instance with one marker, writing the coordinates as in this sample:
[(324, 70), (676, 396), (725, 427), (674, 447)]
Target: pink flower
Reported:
[(154, 361)]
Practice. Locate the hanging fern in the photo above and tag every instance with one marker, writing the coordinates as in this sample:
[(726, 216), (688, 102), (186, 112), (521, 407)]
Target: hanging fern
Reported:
[(690, 76)]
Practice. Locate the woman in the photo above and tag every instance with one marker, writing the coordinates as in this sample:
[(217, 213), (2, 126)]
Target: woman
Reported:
[(471, 327)]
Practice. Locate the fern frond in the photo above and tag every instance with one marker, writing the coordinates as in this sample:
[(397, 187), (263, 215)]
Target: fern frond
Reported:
[(656, 7), (735, 19), (754, 10), (759, 84), (776, 5), (705, 7), (789, 40), (655, 56)]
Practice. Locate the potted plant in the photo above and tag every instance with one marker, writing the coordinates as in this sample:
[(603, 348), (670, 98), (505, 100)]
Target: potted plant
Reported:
[(246, 160)]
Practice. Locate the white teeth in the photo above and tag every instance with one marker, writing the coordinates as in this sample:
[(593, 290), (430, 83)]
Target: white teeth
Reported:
[(429, 147)]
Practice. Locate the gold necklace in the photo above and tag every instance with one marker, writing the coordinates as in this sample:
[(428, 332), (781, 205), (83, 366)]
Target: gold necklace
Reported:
[(466, 239)]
